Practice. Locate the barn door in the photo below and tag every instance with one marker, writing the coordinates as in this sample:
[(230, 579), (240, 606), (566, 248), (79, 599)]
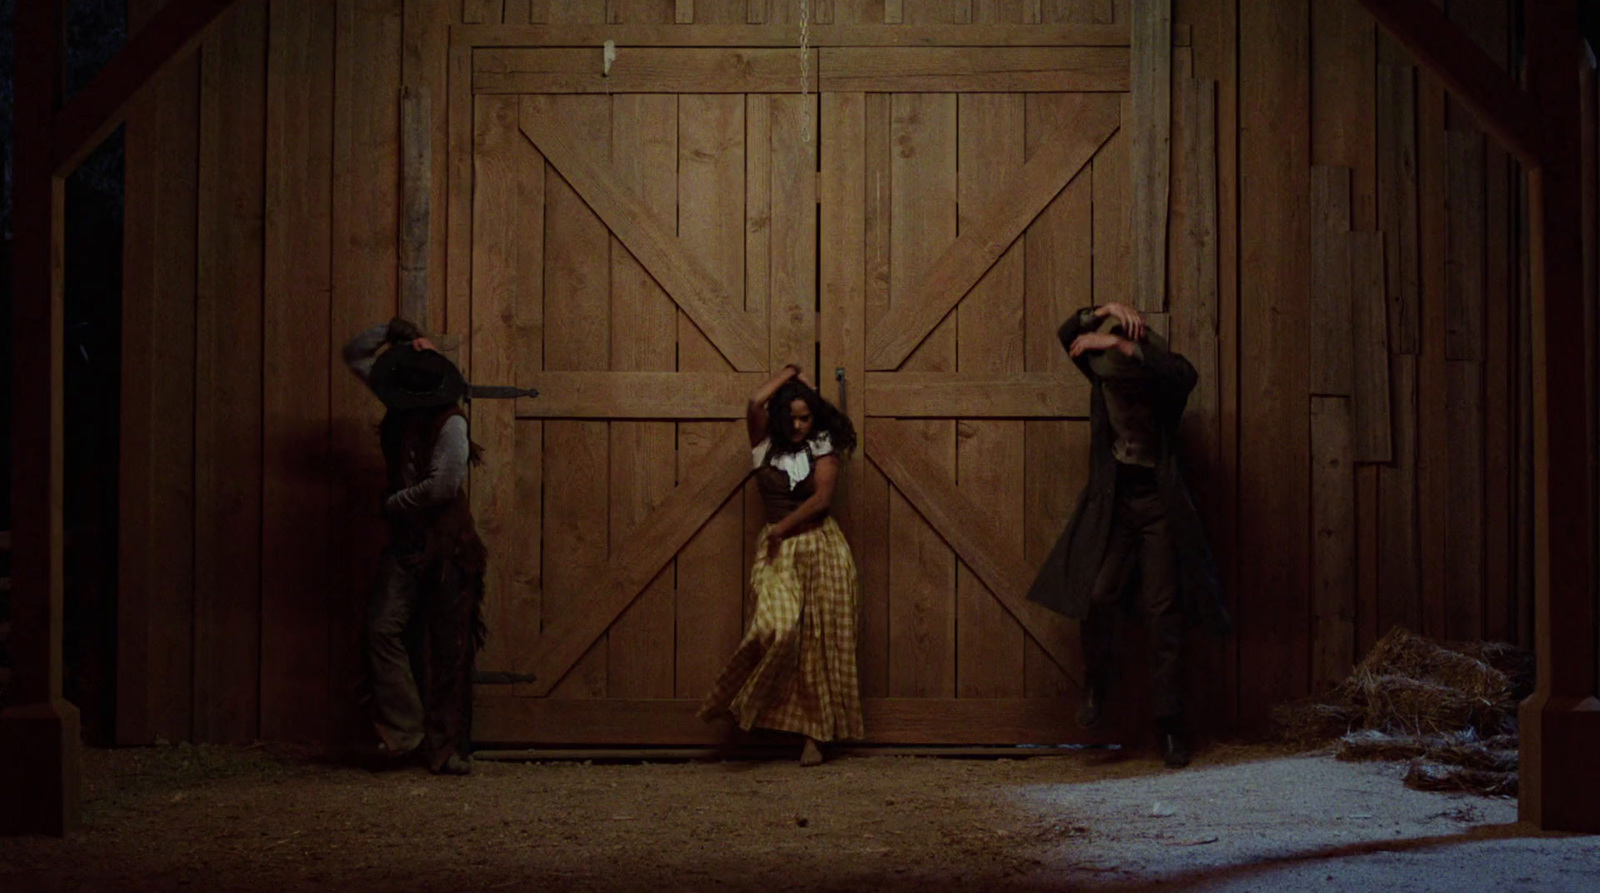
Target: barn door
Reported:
[(642, 255), (644, 247), (957, 235)]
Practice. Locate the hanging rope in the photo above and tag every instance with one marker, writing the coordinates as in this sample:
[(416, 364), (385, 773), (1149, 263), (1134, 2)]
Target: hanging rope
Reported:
[(805, 71)]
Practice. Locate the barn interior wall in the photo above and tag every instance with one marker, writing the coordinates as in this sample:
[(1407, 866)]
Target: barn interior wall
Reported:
[(1366, 457)]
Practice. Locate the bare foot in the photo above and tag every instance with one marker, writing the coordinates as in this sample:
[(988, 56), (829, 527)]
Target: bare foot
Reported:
[(812, 754)]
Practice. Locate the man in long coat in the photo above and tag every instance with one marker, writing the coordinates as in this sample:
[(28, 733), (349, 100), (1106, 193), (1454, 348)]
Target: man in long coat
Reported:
[(1135, 529)]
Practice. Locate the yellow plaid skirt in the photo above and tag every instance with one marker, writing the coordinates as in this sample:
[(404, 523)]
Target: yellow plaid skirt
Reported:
[(795, 670)]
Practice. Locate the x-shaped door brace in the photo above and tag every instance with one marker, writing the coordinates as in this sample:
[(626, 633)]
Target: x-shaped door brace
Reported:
[(1075, 139)]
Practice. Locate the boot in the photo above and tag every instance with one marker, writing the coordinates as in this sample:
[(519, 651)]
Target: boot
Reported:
[(1172, 740), (1092, 707)]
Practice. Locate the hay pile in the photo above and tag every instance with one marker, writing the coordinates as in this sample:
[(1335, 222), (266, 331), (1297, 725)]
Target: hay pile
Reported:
[(1450, 710)]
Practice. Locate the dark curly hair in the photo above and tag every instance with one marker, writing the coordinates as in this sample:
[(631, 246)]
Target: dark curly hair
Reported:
[(825, 417)]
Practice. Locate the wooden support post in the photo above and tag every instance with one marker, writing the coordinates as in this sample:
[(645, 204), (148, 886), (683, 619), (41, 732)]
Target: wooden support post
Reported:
[(1560, 723), (39, 749), (416, 201)]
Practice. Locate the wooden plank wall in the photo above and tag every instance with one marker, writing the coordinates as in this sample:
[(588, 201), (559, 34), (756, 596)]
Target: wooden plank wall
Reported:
[(1363, 449)]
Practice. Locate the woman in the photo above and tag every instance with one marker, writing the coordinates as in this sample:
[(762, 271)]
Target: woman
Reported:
[(795, 670)]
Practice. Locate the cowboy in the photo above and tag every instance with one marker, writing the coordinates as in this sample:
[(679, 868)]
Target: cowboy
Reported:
[(432, 567), (1134, 522)]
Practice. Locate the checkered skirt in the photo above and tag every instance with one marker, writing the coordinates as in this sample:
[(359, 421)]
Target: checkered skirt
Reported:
[(795, 670)]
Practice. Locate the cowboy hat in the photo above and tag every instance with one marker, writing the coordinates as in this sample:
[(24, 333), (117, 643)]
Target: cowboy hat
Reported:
[(405, 378)]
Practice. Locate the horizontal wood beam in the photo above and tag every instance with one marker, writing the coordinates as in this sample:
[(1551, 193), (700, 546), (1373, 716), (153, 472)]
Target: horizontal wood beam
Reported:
[(1503, 108), (969, 395), (639, 395), (638, 70), (963, 70), (97, 109), (788, 36), (500, 717)]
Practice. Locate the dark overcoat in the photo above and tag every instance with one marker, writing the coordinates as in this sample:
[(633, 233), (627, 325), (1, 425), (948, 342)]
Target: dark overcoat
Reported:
[(1067, 578)]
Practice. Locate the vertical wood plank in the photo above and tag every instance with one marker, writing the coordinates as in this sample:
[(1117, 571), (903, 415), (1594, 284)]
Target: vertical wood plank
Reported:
[(873, 542), (1371, 336), (1195, 321), (538, 12), (1058, 256), (894, 12), (1334, 553), (1369, 590), (155, 628), (499, 149), (1195, 334), (368, 63), (1077, 12), (1214, 26), (1400, 556), (843, 235), (578, 12), (1343, 82), (518, 12), (1465, 251), (922, 569), (989, 453), (1432, 386), (793, 294), (1526, 555), (522, 582), (297, 362), (458, 283), (683, 14), (416, 182), (1274, 456), (577, 338), (228, 358), (1464, 545), (717, 223), (482, 12), (1489, 23), (1397, 201), (1113, 258), (425, 65), (758, 270), (1331, 350), (1149, 150), (644, 131), (1499, 376)]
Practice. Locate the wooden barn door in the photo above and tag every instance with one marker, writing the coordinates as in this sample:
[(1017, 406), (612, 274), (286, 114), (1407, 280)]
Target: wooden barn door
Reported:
[(644, 248), (641, 256), (957, 234)]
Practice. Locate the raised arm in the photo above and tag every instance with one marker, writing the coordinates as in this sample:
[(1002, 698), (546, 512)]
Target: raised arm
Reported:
[(362, 350), (755, 415)]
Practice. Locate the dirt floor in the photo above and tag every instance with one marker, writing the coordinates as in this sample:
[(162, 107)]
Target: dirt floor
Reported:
[(1241, 818)]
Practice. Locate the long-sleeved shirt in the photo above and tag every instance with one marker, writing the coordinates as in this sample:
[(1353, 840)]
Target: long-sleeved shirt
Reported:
[(447, 470)]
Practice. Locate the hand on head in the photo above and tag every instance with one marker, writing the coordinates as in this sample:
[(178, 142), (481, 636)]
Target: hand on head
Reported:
[(1131, 320)]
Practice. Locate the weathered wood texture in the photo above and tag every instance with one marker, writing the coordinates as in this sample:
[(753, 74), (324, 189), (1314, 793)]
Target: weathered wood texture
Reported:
[(1344, 281)]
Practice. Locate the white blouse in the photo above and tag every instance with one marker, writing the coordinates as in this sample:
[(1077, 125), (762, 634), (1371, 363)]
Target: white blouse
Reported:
[(797, 465)]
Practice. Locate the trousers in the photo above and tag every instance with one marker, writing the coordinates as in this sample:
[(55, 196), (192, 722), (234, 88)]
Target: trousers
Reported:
[(435, 714), (1140, 542)]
